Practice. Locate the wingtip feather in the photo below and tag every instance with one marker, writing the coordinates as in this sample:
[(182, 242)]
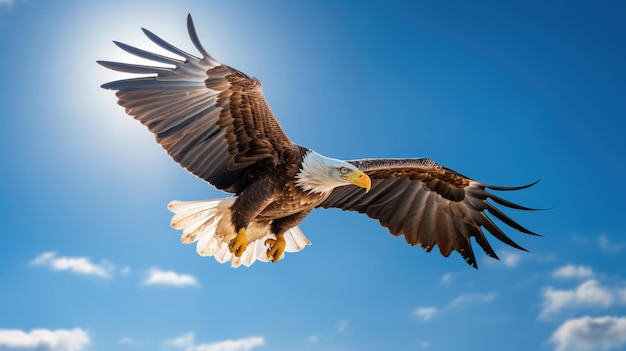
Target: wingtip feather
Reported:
[(509, 188)]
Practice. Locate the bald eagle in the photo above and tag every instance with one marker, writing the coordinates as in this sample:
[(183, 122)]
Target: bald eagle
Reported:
[(214, 121)]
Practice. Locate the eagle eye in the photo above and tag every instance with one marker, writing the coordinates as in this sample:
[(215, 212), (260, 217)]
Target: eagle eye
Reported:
[(344, 170)]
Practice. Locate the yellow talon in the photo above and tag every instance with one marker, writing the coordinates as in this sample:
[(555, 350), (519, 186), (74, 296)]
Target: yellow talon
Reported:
[(239, 244), (277, 247)]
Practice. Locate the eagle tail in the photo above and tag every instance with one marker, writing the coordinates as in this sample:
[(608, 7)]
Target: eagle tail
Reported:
[(208, 223)]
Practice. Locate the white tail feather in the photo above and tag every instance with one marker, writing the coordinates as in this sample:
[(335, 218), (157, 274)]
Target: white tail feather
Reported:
[(208, 223)]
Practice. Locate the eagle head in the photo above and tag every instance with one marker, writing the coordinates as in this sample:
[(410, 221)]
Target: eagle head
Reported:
[(321, 174)]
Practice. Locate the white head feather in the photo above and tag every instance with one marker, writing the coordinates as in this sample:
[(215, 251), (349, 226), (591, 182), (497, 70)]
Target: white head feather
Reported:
[(321, 174)]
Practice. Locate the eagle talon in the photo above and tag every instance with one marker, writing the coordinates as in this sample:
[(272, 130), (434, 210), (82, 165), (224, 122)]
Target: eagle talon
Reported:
[(239, 244), (277, 247)]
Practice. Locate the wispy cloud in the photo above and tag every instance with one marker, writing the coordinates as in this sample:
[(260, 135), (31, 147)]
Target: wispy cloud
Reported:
[(125, 271), (157, 276), (588, 294), (80, 265), (571, 271), (7, 3), (446, 278), (587, 333), (511, 259), (126, 341), (425, 313), (53, 340), (183, 341), (343, 327), (608, 246), (507, 259), (472, 298), (313, 339), (602, 241), (186, 342)]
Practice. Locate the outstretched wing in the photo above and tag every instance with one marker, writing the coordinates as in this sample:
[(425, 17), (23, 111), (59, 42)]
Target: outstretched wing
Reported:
[(429, 204), (210, 118)]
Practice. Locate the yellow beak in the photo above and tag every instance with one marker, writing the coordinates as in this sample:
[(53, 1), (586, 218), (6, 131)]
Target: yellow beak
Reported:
[(360, 179)]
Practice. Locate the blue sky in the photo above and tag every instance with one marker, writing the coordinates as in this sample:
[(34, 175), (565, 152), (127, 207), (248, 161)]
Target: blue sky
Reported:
[(504, 93)]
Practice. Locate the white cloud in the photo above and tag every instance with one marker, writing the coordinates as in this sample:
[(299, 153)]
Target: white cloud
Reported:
[(8, 3), (425, 313), (186, 342), (183, 341), (571, 271), (508, 259), (602, 241), (171, 278), (80, 265), (608, 246), (587, 333), (53, 340), (472, 298), (511, 259), (588, 294), (244, 344)]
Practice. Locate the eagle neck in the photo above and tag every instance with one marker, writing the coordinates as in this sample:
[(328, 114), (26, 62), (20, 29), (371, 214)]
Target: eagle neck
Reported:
[(315, 174)]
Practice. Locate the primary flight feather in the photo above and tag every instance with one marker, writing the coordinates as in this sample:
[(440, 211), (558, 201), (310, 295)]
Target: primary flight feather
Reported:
[(214, 121)]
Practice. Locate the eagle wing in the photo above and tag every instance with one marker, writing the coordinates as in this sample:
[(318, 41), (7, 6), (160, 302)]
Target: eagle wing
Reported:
[(211, 119), (429, 204)]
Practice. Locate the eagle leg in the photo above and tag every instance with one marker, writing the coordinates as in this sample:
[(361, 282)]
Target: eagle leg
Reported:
[(239, 244), (277, 247)]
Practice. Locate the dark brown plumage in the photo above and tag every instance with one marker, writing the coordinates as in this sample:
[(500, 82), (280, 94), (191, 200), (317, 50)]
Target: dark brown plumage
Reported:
[(429, 204), (214, 121)]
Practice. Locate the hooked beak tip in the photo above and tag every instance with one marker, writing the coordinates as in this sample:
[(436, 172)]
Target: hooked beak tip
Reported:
[(364, 181)]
